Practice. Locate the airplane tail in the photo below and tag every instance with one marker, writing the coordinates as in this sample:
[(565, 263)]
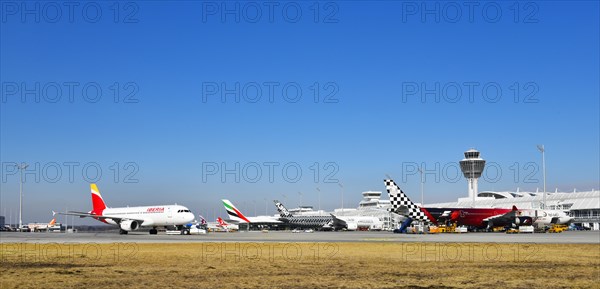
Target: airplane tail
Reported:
[(283, 212), (202, 220), (52, 222), (98, 204), (221, 222), (234, 213), (399, 201)]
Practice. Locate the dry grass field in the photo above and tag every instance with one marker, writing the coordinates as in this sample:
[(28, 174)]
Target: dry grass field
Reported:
[(300, 265)]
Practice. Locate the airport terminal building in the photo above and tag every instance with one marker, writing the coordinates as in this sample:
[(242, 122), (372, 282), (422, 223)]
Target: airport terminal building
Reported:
[(373, 206)]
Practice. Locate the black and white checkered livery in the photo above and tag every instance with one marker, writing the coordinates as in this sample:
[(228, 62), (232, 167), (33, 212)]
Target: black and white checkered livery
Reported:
[(400, 201)]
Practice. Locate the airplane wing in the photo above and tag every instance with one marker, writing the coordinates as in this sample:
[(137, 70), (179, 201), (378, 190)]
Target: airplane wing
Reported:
[(88, 215), (505, 218)]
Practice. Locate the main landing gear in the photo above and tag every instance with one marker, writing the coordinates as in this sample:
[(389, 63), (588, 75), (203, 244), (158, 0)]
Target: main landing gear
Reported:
[(153, 231)]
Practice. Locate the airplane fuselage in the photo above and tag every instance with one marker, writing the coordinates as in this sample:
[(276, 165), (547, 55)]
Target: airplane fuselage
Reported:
[(474, 217), (152, 216), (307, 221), (544, 218)]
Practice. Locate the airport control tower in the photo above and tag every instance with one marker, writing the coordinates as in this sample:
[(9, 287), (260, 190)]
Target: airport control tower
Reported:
[(472, 167)]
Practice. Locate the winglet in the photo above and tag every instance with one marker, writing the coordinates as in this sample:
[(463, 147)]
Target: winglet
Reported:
[(514, 208)]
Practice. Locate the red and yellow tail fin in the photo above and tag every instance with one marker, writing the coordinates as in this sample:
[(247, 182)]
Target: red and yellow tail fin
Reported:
[(52, 223), (98, 205)]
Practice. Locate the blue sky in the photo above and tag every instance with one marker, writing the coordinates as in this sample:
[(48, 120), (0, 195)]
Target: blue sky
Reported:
[(163, 138)]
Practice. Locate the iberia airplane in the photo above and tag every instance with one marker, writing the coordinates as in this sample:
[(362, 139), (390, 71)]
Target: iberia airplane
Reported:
[(132, 218)]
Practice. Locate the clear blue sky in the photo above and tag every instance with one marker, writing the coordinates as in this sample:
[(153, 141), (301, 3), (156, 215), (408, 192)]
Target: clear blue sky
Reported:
[(369, 56)]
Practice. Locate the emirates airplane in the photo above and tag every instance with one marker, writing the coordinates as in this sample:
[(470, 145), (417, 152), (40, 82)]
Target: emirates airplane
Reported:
[(132, 218)]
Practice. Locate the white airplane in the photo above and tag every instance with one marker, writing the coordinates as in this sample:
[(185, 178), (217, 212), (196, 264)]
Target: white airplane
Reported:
[(330, 221), (238, 217), (546, 218), (221, 226), (353, 223), (226, 226), (39, 227), (132, 218)]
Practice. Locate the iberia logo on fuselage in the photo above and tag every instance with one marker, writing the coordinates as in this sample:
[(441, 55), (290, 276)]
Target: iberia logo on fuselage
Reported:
[(156, 210)]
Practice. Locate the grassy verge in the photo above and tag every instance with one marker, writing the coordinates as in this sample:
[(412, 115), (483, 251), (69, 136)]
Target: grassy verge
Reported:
[(299, 265)]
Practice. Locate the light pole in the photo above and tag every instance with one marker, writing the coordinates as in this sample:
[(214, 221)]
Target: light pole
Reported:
[(319, 195), (543, 151), (21, 167), (342, 189), (422, 201)]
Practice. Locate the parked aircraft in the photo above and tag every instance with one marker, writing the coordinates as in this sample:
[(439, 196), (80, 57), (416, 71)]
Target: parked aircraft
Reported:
[(236, 216), (546, 218), (358, 222), (475, 217), (132, 218), (330, 221), (225, 226), (39, 227), (318, 222)]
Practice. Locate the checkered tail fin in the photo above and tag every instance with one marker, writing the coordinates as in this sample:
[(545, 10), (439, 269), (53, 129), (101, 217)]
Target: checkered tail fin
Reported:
[(401, 203)]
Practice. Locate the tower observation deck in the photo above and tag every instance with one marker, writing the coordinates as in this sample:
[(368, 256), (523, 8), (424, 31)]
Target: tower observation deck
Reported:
[(472, 167)]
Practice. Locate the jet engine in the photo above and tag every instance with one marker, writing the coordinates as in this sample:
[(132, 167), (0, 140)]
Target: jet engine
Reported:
[(523, 221), (351, 226), (129, 225)]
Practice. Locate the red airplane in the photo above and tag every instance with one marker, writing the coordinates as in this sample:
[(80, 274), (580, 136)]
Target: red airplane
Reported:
[(475, 217)]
